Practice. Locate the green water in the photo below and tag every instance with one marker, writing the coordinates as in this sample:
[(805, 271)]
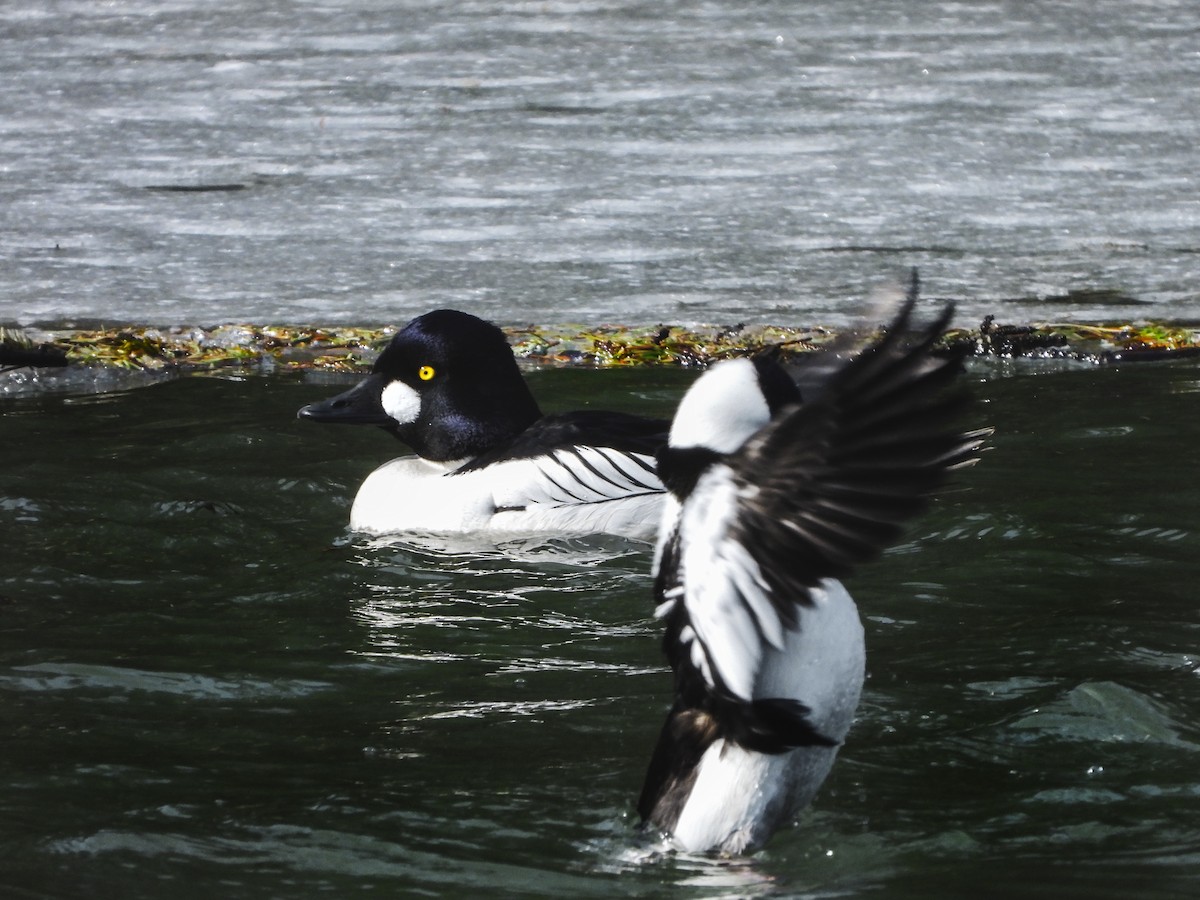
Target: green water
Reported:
[(209, 689)]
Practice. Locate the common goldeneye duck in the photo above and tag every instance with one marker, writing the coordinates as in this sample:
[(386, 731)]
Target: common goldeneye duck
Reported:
[(770, 503), (448, 386)]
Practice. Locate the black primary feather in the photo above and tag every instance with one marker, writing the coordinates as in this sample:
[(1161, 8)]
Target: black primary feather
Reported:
[(835, 479)]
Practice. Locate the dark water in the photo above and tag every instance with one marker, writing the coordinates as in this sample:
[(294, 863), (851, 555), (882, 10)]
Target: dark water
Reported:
[(208, 689), (606, 161)]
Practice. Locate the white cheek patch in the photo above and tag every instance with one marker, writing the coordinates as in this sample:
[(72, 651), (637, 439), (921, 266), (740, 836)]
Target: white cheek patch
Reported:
[(722, 409), (401, 402)]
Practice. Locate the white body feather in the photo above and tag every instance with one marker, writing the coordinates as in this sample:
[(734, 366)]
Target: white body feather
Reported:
[(740, 796), (576, 491)]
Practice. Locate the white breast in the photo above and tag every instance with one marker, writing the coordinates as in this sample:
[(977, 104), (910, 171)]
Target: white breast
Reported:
[(413, 494)]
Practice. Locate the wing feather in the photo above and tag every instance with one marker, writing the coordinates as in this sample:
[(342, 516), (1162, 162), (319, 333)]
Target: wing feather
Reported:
[(572, 476), (821, 488)]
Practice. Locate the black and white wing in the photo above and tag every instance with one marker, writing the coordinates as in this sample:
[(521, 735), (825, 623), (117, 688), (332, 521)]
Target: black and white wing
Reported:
[(577, 458), (574, 476), (824, 486)]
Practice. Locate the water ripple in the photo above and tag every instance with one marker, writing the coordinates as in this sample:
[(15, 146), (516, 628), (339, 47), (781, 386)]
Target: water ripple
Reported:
[(53, 677)]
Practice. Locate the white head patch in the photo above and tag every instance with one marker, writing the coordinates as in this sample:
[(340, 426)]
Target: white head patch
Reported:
[(722, 409), (401, 402)]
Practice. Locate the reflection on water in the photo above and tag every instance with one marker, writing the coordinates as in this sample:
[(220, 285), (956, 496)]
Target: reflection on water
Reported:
[(209, 687)]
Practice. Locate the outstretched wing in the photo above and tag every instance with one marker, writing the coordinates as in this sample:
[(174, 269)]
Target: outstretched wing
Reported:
[(823, 487)]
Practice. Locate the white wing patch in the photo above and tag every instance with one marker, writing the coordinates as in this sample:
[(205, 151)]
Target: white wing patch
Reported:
[(726, 596), (571, 476)]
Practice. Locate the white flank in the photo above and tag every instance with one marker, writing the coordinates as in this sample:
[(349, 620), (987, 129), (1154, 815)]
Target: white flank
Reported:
[(514, 497)]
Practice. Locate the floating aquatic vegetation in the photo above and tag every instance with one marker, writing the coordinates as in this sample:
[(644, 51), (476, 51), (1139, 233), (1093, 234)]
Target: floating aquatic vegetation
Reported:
[(347, 349), (1079, 341), (659, 345), (239, 346)]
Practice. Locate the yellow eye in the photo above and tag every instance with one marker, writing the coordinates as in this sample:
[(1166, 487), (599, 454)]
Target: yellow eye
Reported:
[(425, 373)]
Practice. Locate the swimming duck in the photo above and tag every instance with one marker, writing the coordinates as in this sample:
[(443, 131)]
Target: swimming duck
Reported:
[(771, 502), (487, 459)]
